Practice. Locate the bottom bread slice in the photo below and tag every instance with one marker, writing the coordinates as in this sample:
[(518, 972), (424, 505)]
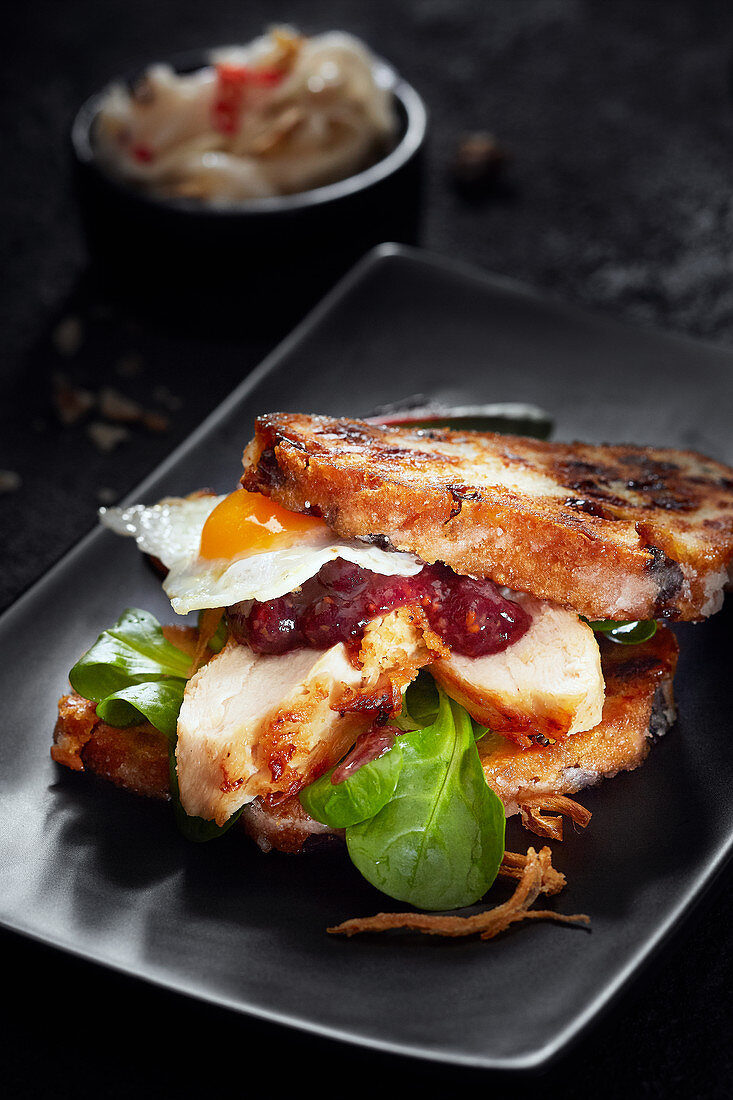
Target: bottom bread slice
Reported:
[(639, 707)]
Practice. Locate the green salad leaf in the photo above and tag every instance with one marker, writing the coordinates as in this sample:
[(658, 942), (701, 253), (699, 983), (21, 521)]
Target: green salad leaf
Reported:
[(420, 706), (133, 674), (133, 651), (358, 797), (219, 637), (420, 703), (438, 842), (509, 417), (626, 633), (159, 702)]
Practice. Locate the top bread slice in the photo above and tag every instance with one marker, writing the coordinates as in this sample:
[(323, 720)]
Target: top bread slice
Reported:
[(615, 532)]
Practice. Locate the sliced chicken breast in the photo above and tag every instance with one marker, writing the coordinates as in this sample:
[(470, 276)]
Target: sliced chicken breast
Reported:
[(254, 725), (548, 684), (236, 710), (639, 708)]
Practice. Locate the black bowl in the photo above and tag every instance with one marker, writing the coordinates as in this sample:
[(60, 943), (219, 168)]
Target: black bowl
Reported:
[(271, 256)]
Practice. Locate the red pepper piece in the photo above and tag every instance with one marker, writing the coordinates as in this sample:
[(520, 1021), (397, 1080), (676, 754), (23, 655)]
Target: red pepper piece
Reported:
[(230, 93), (266, 77), (232, 82)]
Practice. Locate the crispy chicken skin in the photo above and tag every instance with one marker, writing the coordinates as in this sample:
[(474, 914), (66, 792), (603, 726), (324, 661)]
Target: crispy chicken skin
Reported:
[(619, 532), (638, 706)]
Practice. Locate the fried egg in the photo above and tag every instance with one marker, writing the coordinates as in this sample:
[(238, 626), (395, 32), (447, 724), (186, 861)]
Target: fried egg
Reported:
[(221, 550)]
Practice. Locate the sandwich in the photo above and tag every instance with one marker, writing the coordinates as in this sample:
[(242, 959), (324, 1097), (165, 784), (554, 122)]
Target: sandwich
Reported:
[(405, 635)]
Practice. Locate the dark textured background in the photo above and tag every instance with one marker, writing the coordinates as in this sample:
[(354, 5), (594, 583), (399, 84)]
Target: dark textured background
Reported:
[(619, 120)]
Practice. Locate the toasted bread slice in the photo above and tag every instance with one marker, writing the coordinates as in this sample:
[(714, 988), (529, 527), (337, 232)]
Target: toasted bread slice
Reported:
[(638, 707), (622, 532)]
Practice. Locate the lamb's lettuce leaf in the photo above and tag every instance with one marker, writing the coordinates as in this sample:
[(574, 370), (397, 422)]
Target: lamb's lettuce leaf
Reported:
[(626, 633), (423, 827), (133, 651), (420, 706), (134, 674), (438, 842), (157, 702), (218, 639)]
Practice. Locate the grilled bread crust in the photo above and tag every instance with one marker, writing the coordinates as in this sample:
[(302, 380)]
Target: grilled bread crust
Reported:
[(617, 532), (639, 706)]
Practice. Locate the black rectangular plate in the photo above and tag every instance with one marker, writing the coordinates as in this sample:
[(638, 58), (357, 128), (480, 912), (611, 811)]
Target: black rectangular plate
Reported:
[(98, 872)]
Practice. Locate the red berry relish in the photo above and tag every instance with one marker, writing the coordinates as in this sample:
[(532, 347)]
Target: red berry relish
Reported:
[(471, 616)]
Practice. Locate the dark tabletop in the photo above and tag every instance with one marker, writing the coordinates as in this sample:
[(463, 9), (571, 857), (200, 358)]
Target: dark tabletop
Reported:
[(618, 121)]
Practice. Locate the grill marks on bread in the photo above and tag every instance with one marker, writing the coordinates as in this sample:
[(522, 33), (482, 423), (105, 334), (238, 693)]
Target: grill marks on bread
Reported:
[(615, 532)]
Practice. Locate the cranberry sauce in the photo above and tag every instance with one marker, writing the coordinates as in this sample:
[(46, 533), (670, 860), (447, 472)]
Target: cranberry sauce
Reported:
[(471, 616)]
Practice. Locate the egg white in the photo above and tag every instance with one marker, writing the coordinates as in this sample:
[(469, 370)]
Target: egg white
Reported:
[(171, 531)]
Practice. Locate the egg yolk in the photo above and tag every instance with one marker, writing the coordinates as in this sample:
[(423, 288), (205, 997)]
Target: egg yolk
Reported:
[(250, 523)]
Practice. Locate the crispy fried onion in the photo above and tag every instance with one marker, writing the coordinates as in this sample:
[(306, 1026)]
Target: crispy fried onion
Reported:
[(536, 876), (533, 814)]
